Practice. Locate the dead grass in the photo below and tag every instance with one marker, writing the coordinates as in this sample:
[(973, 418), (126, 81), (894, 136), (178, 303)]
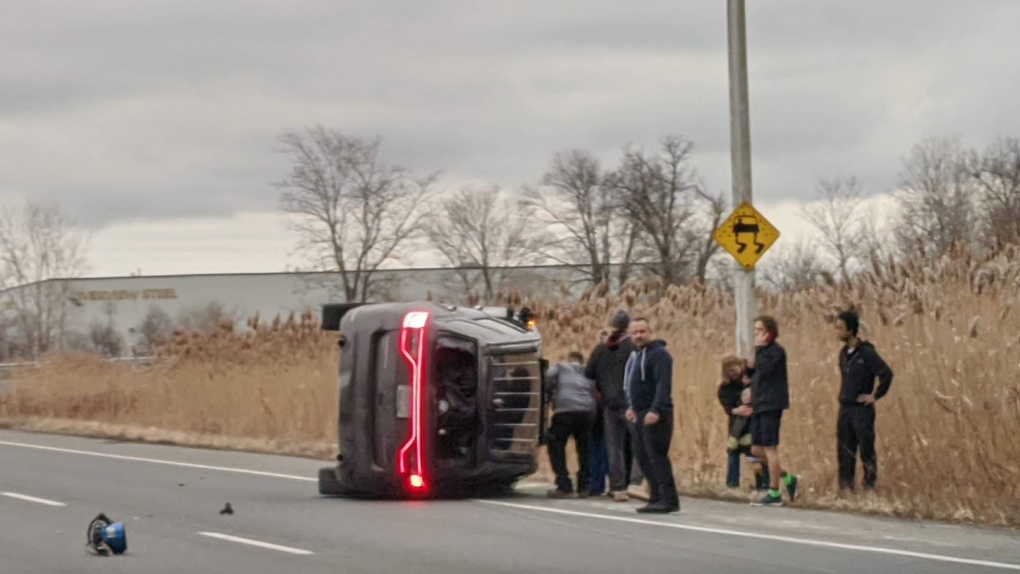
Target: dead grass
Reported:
[(949, 432), (275, 383), (154, 435)]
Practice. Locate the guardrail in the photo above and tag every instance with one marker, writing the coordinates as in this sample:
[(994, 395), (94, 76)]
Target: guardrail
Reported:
[(7, 368)]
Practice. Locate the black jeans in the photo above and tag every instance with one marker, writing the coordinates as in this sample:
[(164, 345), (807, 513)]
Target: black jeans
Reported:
[(565, 425), (620, 441), (653, 456), (855, 429)]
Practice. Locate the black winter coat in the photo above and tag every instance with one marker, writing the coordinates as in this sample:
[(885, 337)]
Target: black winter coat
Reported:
[(770, 387), (606, 365), (859, 371)]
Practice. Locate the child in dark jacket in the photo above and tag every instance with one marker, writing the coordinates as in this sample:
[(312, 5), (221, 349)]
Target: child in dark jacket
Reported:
[(735, 391)]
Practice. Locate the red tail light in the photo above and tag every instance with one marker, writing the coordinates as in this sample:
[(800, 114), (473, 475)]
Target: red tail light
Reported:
[(412, 347)]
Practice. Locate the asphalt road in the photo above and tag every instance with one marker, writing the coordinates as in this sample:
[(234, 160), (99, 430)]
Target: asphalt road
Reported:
[(170, 498)]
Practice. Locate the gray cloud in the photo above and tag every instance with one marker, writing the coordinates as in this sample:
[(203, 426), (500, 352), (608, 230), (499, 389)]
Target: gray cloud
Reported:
[(154, 110)]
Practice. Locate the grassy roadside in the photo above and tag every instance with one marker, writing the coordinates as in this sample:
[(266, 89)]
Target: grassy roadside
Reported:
[(948, 432)]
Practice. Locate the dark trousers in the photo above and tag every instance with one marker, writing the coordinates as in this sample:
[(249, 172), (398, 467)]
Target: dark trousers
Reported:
[(855, 429), (620, 441), (761, 481), (599, 456), (652, 451), (564, 426)]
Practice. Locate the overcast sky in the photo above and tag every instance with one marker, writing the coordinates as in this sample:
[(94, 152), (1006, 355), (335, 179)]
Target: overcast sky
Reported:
[(153, 123)]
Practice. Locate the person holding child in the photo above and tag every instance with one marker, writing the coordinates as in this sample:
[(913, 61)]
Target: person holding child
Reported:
[(735, 392)]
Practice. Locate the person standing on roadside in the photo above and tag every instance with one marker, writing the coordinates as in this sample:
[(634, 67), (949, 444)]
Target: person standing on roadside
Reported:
[(733, 392), (574, 406), (770, 396), (606, 366), (859, 366), (649, 388), (598, 452)]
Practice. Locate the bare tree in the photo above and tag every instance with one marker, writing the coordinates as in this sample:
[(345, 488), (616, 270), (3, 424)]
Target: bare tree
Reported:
[(105, 339), (8, 327), (996, 174), (354, 213), (156, 327), (480, 232), (39, 246), (103, 335), (589, 228), (877, 237), (793, 267), (207, 318), (719, 275), (710, 215), (663, 198), (838, 217), (937, 210)]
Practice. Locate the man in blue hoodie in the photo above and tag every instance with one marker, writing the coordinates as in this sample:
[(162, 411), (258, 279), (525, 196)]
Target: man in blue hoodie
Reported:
[(648, 383)]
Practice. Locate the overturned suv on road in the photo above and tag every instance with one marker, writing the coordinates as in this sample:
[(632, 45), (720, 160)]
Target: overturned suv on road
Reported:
[(435, 400)]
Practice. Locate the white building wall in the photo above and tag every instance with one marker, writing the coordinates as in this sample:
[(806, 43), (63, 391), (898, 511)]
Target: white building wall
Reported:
[(125, 301)]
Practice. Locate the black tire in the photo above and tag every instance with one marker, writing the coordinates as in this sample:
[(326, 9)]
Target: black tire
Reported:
[(329, 485), (496, 489)]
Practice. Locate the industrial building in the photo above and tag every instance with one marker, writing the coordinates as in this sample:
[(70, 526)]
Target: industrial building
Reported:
[(122, 303)]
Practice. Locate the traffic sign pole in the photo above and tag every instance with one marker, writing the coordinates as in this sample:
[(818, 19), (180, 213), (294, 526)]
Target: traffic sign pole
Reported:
[(740, 151)]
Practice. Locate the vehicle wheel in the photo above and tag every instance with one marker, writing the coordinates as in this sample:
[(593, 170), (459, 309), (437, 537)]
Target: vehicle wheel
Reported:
[(498, 489), (329, 485)]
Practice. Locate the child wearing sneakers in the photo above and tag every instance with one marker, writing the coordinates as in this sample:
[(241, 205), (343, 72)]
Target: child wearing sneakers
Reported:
[(771, 396)]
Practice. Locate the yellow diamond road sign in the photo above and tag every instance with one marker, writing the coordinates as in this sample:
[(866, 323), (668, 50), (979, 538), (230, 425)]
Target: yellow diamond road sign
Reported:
[(746, 235)]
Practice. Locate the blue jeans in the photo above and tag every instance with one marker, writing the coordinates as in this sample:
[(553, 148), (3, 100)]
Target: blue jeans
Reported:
[(599, 456), (733, 472), (733, 469)]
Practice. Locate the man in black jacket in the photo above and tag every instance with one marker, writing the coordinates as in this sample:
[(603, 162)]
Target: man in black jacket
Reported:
[(649, 386), (770, 396), (859, 366), (606, 366)]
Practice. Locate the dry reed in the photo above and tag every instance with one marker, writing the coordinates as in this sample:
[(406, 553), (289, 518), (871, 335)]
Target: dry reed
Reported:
[(949, 431)]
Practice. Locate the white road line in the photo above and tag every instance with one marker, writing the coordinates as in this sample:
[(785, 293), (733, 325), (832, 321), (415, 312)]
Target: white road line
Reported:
[(158, 461), (33, 499), (787, 539), (250, 542)]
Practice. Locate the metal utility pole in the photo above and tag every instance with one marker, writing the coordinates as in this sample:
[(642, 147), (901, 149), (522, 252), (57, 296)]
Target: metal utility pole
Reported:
[(740, 151)]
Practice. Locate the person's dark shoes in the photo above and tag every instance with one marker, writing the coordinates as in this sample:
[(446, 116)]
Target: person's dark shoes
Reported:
[(584, 494), (772, 498), (557, 493), (659, 508)]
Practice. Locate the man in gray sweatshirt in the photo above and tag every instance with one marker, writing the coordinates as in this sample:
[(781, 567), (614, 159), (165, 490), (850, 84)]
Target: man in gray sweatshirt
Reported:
[(574, 408)]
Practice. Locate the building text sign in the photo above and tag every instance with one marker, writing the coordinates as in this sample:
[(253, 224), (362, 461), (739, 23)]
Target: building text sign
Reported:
[(124, 294)]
